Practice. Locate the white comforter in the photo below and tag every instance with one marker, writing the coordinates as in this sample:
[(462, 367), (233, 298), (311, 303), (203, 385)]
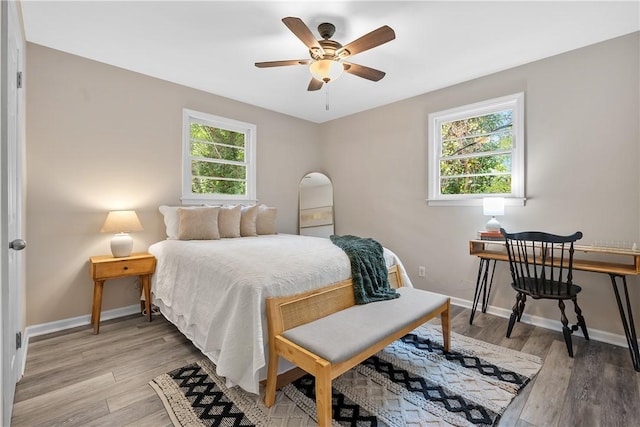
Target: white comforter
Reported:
[(214, 291)]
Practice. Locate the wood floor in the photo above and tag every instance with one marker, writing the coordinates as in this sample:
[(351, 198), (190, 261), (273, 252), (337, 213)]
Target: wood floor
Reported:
[(76, 378)]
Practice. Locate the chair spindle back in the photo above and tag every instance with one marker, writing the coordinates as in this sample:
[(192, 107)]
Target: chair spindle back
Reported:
[(541, 264)]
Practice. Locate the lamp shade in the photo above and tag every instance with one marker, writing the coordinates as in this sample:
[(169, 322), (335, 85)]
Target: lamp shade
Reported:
[(326, 70), (121, 222), (493, 206)]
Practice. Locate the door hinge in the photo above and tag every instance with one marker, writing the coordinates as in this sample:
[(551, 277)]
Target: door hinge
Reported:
[(19, 80), (18, 340)]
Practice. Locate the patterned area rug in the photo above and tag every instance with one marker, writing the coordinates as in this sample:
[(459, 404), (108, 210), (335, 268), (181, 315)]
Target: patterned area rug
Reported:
[(411, 382)]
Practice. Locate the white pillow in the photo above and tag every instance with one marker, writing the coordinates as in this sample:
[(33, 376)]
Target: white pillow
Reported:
[(229, 221), (198, 223), (266, 222)]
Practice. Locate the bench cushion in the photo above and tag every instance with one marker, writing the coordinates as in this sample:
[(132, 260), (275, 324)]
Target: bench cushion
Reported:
[(344, 334)]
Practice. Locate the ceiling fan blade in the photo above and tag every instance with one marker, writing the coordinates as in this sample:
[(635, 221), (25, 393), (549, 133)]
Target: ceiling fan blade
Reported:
[(315, 84), (282, 63), (303, 32), (362, 71), (368, 41)]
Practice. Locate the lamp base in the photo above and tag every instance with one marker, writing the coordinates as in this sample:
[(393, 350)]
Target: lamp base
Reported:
[(121, 245), (493, 225)]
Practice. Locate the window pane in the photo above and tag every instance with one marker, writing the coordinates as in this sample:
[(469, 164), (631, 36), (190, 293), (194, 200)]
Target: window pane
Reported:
[(215, 143), (477, 134), (501, 140), (217, 135), (486, 184), (217, 186), (476, 165), (218, 170), (216, 151)]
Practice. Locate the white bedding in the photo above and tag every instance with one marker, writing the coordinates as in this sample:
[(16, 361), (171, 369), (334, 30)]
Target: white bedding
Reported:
[(214, 291)]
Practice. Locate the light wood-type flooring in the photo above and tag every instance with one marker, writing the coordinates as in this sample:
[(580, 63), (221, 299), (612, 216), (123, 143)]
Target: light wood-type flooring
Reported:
[(75, 378)]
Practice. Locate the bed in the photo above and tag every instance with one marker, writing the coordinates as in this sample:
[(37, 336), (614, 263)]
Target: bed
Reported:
[(214, 291)]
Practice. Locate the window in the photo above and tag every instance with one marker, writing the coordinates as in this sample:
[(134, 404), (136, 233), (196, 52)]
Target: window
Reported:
[(477, 150), (218, 159)]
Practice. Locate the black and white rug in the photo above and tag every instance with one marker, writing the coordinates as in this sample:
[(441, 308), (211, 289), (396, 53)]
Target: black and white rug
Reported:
[(411, 382)]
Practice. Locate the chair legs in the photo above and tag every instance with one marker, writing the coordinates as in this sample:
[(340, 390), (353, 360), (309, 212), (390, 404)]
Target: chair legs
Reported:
[(581, 322), (518, 308), (566, 330)]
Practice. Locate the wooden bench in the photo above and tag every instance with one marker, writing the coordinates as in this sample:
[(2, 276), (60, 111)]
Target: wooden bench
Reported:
[(325, 333)]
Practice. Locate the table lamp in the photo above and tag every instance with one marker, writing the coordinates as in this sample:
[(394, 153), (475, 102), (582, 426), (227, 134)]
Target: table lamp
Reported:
[(493, 206), (121, 223)]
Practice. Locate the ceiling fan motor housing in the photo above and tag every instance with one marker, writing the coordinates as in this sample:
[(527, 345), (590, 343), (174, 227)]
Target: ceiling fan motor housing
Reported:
[(326, 30), (329, 48)]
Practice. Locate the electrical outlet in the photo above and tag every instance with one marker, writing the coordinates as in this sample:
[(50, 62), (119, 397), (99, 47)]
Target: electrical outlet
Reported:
[(422, 271)]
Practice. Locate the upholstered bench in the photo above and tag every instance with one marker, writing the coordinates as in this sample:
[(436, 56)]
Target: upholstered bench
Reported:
[(325, 333)]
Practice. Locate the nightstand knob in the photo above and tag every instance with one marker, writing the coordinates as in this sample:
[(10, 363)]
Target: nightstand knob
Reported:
[(126, 268)]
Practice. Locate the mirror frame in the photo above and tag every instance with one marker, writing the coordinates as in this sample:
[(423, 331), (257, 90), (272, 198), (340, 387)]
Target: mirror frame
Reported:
[(318, 217)]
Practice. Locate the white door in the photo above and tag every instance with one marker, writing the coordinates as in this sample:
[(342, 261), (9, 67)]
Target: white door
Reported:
[(11, 161)]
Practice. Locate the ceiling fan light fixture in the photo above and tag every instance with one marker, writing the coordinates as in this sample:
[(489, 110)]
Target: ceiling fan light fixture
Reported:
[(326, 70)]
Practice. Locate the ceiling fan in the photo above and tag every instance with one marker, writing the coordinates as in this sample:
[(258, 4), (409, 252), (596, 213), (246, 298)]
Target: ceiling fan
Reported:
[(327, 56)]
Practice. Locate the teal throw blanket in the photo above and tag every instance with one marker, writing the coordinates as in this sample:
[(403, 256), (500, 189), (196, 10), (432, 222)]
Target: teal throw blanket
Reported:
[(368, 269)]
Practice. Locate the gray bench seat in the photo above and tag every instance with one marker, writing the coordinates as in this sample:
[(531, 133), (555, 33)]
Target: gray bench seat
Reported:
[(344, 334), (324, 332)]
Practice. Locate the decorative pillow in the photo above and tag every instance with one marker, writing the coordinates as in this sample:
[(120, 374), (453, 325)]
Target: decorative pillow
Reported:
[(198, 223), (229, 221), (172, 219), (266, 222), (248, 218)]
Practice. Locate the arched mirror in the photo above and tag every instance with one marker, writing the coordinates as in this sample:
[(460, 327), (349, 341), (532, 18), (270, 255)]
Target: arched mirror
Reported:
[(316, 205)]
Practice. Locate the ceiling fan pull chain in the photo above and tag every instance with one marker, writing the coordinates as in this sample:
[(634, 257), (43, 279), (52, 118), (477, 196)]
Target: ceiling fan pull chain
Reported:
[(326, 92)]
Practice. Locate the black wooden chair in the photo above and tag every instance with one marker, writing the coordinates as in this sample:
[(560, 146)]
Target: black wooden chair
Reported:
[(541, 266)]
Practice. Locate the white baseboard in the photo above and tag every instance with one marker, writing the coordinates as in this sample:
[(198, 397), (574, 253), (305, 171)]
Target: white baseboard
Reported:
[(554, 325), (60, 325)]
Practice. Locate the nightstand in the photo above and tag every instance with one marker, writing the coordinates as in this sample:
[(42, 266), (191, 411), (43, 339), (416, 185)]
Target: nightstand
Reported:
[(106, 267)]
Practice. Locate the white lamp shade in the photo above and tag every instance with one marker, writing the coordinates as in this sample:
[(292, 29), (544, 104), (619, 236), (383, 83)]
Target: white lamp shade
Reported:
[(121, 222), (493, 206), (326, 70)]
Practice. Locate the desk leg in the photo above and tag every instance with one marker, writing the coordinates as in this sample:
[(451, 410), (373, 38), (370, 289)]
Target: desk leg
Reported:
[(97, 305), (627, 319), (483, 286)]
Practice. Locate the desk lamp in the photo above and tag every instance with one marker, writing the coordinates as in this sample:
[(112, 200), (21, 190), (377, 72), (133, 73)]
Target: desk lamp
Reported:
[(121, 223), (493, 206)]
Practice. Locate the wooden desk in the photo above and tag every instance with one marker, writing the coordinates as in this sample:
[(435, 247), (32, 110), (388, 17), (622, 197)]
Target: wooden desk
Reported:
[(627, 262)]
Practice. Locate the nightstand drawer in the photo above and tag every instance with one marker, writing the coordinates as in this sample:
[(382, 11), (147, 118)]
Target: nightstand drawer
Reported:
[(126, 267)]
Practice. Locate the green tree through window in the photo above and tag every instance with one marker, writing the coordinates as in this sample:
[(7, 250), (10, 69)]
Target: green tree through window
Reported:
[(477, 150), (476, 155), (218, 159)]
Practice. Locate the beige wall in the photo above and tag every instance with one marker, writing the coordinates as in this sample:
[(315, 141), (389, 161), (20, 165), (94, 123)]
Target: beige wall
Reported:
[(101, 138), (582, 157)]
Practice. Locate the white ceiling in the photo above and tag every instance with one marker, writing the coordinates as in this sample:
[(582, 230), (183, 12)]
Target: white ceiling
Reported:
[(212, 45)]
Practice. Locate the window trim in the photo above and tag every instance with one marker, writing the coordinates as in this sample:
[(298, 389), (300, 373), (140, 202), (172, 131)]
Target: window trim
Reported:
[(515, 102), (248, 129)]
